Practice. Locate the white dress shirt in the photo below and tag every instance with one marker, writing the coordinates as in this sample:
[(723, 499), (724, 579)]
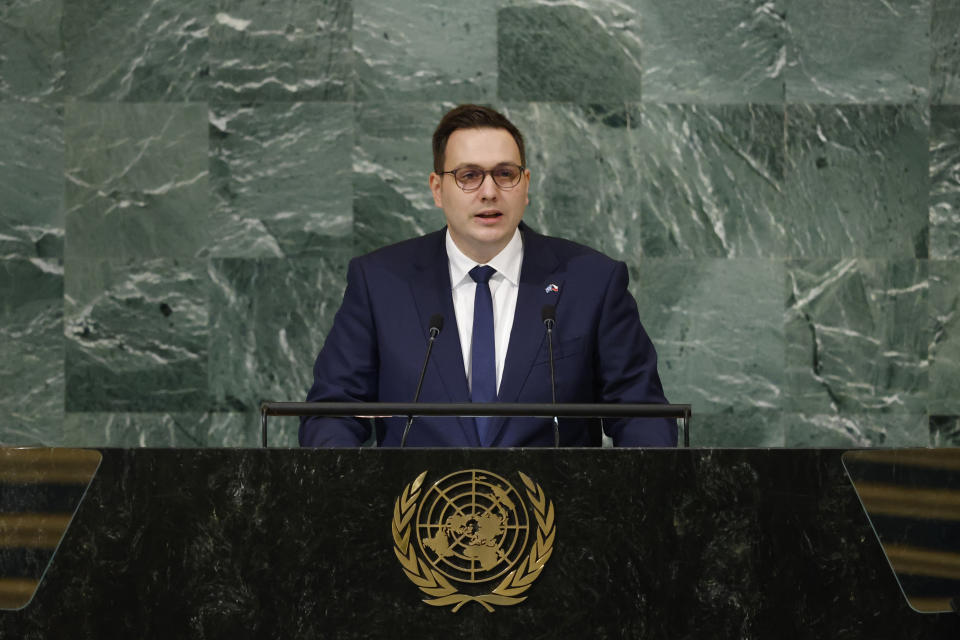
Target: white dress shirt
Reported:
[(504, 287)]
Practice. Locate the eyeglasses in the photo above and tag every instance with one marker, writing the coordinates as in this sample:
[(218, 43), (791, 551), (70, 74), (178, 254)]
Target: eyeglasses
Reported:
[(469, 178)]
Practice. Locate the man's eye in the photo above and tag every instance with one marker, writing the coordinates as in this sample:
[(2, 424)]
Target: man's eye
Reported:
[(506, 172), (468, 174)]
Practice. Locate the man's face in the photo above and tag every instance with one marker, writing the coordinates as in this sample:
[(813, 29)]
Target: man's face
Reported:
[(480, 222)]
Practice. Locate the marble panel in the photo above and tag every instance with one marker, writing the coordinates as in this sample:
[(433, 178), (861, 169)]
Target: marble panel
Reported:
[(31, 180), (944, 391), (945, 43), (714, 180), (945, 431), (136, 335), (31, 351), (136, 180), (136, 50), (846, 52), (742, 427), (392, 161), (718, 52), (31, 50), (945, 182), (857, 336), (856, 430), (190, 430), (584, 173), (281, 50), (718, 329), (583, 52), (268, 320), (856, 182), (280, 176), (406, 52)]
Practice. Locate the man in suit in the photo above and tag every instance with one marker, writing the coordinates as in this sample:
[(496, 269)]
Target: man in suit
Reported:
[(489, 276)]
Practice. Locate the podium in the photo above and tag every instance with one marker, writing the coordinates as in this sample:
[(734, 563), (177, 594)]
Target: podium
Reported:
[(273, 543)]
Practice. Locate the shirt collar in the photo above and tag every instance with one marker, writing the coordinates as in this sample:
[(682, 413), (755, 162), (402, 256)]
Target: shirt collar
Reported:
[(507, 262)]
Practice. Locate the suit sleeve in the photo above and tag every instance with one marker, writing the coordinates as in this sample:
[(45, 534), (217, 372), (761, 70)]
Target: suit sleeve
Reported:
[(346, 368), (627, 366)]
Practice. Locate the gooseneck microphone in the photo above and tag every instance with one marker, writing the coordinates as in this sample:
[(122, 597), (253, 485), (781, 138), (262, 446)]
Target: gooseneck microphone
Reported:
[(436, 326), (549, 316)]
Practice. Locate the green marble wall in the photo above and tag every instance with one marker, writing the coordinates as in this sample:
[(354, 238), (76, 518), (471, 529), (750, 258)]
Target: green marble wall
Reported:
[(182, 185)]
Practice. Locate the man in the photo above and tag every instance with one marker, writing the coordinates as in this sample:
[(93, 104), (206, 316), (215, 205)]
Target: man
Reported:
[(489, 276)]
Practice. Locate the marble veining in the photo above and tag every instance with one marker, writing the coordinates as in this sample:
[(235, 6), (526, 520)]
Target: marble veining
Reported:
[(282, 50), (136, 51), (31, 351), (31, 51), (721, 52), (136, 336), (31, 181), (853, 339), (541, 54), (717, 326), (280, 178), (945, 182), (714, 181), (404, 51), (856, 181), (843, 52), (137, 180)]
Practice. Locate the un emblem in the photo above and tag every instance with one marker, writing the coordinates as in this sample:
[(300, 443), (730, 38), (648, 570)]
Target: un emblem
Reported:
[(473, 530)]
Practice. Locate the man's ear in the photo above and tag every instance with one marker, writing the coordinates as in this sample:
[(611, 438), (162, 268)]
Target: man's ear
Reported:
[(435, 184), (526, 196)]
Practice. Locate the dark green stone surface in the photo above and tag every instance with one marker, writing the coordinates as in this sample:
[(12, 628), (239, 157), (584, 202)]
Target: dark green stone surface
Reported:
[(569, 53), (31, 180), (280, 174), (297, 544), (136, 50), (136, 181), (31, 50), (713, 181), (410, 51), (268, 320), (31, 351), (945, 341), (281, 50), (392, 162), (234, 155), (715, 52), (848, 52), (136, 335), (945, 182), (857, 338), (945, 61), (856, 182), (718, 329), (585, 178)]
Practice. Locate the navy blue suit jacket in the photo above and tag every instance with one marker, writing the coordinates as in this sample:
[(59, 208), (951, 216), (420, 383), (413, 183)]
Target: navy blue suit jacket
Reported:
[(377, 344)]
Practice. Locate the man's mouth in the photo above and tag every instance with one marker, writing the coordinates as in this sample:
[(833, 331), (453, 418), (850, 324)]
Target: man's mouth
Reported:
[(489, 215)]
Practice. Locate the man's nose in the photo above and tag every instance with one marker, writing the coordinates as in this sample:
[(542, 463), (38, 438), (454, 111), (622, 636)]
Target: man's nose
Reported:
[(488, 188)]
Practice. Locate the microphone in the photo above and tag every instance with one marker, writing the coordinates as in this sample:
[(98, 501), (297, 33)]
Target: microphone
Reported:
[(549, 316), (436, 326)]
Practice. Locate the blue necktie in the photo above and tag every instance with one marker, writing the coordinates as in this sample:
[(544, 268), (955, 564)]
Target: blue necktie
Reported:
[(483, 366)]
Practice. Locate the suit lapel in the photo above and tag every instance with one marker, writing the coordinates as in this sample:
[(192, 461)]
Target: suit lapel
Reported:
[(527, 336), (431, 290)]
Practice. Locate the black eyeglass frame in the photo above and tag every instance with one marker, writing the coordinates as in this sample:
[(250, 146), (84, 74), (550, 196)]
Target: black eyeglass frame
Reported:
[(485, 174)]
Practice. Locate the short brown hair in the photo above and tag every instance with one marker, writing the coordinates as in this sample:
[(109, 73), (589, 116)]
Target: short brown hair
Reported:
[(471, 116)]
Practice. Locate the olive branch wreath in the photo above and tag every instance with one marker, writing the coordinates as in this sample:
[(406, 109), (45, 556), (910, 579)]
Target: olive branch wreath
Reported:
[(435, 584)]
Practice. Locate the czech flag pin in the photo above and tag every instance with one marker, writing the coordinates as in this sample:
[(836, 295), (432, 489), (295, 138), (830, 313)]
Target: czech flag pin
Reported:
[(552, 288)]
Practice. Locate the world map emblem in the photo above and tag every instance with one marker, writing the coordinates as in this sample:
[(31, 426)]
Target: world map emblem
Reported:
[(471, 536)]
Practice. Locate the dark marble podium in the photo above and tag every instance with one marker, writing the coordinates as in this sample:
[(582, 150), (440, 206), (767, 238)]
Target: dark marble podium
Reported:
[(297, 544)]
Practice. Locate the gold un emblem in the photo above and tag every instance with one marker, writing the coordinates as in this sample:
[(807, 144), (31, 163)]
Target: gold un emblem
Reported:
[(472, 530)]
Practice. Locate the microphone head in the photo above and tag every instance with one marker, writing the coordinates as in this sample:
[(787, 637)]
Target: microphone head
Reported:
[(436, 323), (549, 314)]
